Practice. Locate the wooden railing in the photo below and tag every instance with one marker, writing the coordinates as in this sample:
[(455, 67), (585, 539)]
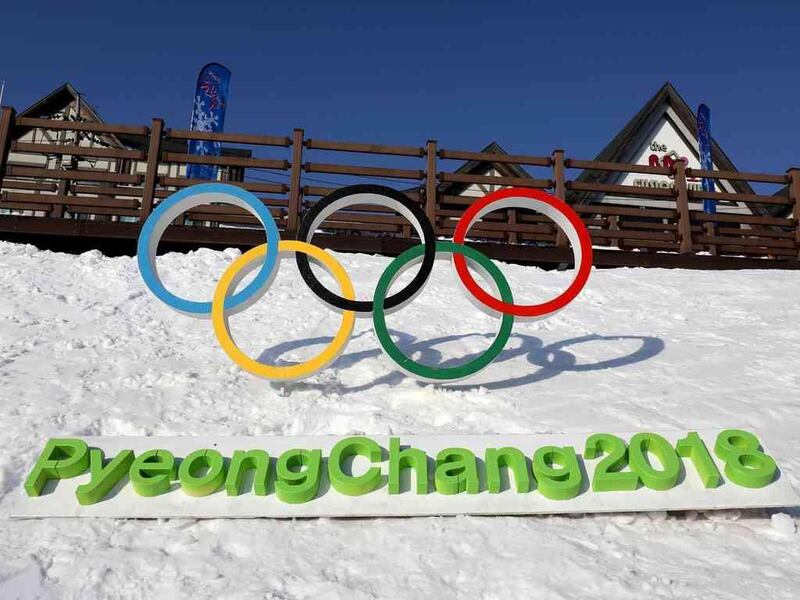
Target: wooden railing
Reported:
[(121, 185)]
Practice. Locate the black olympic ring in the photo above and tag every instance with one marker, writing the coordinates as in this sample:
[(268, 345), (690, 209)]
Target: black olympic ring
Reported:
[(382, 196)]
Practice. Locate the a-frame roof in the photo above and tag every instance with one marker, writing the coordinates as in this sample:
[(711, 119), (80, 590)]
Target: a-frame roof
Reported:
[(481, 167), (619, 149), (58, 100)]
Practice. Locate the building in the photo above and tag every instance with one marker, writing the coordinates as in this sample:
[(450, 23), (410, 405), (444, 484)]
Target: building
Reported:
[(70, 177), (66, 104)]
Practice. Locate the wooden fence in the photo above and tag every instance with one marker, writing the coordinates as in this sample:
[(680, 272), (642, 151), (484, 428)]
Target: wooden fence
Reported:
[(107, 201)]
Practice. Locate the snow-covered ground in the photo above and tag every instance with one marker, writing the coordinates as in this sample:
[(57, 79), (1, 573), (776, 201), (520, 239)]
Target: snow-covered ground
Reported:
[(85, 349)]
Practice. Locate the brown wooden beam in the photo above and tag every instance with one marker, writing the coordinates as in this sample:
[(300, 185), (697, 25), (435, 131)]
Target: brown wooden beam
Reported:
[(560, 190), (74, 174), (151, 175), (103, 210), (626, 211), (361, 170), (431, 182), (572, 163), (737, 176), (73, 150), (794, 194), (57, 210), (7, 117), (364, 148), (52, 124), (68, 200), (763, 242), (295, 185), (209, 210), (748, 219), (231, 138), (747, 198), (28, 185), (632, 235), (135, 192), (251, 186), (25, 206), (755, 232), (224, 161), (627, 190), (518, 159), (493, 180)]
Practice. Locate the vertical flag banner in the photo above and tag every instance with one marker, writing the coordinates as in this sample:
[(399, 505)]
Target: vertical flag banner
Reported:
[(208, 114), (704, 149)]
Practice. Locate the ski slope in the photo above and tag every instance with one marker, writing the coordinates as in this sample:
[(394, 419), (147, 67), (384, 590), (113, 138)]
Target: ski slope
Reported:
[(85, 350)]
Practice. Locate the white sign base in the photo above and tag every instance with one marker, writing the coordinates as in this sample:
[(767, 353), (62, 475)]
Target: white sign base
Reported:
[(59, 500)]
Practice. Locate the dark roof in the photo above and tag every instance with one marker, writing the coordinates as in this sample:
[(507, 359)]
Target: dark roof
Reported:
[(479, 167), (619, 148), (58, 100), (141, 142)]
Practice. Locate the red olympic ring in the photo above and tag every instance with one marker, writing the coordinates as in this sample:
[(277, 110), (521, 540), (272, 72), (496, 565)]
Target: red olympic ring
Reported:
[(557, 210)]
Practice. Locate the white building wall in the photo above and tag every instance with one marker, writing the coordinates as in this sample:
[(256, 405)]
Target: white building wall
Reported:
[(663, 144)]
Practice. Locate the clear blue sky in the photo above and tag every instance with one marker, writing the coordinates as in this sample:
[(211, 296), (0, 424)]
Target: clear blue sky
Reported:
[(532, 75)]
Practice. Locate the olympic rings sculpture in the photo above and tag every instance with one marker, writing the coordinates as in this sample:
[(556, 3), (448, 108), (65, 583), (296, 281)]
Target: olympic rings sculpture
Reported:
[(266, 259)]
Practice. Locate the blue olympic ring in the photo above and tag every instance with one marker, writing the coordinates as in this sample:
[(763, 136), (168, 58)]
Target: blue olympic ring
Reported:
[(184, 200)]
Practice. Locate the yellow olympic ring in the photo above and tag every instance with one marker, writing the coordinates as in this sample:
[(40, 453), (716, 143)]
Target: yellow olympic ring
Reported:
[(227, 286)]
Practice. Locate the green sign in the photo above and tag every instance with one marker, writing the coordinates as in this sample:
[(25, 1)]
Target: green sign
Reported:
[(358, 466)]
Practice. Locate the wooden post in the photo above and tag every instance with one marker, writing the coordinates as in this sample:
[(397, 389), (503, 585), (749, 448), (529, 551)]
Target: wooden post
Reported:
[(295, 190), (513, 236), (57, 212), (62, 189), (794, 194), (560, 189), (710, 230), (7, 116), (151, 175), (682, 200), (613, 225), (430, 183)]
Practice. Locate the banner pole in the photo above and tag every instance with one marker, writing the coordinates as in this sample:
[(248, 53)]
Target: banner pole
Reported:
[(704, 150)]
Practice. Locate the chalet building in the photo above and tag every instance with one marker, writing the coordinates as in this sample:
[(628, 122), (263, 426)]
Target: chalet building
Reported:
[(661, 132), (664, 130), (66, 104)]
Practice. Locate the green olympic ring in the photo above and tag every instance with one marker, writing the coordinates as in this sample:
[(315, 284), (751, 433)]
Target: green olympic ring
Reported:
[(405, 261)]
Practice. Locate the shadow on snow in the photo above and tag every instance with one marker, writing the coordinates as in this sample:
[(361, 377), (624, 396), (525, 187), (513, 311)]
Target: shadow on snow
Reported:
[(551, 359)]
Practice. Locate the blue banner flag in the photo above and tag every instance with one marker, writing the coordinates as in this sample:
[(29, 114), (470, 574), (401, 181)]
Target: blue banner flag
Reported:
[(208, 114), (704, 149)]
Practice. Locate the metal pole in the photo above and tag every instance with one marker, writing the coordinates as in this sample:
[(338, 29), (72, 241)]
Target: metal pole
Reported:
[(2, 90)]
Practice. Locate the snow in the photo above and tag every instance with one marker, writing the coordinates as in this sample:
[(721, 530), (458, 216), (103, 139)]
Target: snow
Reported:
[(86, 350), (784, 523)]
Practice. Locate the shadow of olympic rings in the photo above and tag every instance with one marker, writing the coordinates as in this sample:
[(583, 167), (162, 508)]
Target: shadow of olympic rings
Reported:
[(552, 359)]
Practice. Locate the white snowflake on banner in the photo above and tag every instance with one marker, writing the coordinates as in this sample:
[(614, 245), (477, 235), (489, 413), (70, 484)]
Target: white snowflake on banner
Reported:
[(203, 120)]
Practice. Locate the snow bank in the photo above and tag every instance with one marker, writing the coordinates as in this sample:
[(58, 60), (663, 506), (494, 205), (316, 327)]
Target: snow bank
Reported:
[(86, 350)]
